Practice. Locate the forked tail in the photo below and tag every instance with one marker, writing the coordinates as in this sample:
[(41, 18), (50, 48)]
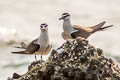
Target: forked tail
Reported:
[(100, 27), (103, 28)]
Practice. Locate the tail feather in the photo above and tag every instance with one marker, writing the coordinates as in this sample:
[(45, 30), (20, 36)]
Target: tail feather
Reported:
[(18, 47), (98, 26), (20, 52)]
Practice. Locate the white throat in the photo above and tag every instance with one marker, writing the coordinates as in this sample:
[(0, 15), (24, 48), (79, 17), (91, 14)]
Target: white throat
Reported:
[(67, 26)]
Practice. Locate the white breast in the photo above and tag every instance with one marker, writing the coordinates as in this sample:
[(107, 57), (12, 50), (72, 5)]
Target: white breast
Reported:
[(67, 27), (43, 41)]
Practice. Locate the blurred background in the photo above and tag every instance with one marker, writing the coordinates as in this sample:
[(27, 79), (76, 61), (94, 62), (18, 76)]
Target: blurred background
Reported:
[(20, 21)]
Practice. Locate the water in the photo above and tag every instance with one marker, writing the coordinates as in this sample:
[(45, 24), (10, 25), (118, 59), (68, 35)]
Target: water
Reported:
[(20, 21)]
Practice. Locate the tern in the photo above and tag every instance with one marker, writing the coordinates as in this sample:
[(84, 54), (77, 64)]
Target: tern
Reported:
[(39, 46), (73, 31)]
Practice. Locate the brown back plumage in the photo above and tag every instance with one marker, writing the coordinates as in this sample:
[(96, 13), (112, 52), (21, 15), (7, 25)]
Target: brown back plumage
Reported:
[(85, 32)]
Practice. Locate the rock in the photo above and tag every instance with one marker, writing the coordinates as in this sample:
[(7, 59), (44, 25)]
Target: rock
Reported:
[(74, 60), (16, 76)]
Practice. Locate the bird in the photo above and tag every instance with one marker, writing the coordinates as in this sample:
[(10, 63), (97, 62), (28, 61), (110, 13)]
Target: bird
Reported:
[(73, 31), (39, 46)]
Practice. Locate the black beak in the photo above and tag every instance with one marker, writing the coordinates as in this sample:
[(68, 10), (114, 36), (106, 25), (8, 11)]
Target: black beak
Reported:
[(60, 18)]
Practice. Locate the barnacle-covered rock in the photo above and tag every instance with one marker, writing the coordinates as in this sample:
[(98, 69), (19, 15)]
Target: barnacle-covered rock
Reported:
[(74, 60)]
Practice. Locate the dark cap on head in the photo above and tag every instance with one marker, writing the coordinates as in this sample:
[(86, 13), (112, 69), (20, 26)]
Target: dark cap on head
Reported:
[(67, 14), (64, 15)]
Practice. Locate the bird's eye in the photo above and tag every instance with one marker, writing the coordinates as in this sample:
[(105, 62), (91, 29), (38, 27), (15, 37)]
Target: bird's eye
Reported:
[(45, 26), (41, 26)]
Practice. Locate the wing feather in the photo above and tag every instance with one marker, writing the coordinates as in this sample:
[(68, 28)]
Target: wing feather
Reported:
[(33, 47)]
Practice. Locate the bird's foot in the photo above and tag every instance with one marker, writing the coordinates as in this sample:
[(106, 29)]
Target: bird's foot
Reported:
[(36, 58)]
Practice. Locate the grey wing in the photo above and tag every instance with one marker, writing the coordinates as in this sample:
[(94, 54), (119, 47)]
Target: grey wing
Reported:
[(33, 47)]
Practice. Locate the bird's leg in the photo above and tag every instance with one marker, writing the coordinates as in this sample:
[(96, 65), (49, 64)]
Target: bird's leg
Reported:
[(35, 57), (41, 57)]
